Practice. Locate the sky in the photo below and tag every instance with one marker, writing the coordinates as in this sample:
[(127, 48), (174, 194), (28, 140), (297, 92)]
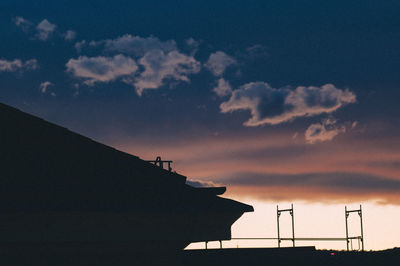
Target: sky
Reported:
[(280, 101)]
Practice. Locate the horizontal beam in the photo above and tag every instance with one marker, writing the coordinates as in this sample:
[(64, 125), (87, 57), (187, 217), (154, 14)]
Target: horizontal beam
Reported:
[(297, 238), (285, 210), (316, 239), (353, 211)]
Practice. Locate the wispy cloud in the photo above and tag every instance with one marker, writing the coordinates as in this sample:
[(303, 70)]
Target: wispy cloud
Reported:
[(223, 88), (218, 62), (273, 166), (23, 23), (135, 45), (69, 35), (44, 88), (268, 105), (317, 186), (256, 51), (18, 65), (100, 68), (324, 131), (350, 181), (193, 45), (79, 45), (44, 30)]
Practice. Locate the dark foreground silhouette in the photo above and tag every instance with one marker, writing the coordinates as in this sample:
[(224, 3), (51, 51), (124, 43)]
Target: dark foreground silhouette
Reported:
[(63, 193), (121, 256), (289, 256)]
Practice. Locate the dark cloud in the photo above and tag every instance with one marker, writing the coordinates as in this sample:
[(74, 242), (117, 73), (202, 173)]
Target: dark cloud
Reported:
[(274, 106), (387, 164), (335, 181)]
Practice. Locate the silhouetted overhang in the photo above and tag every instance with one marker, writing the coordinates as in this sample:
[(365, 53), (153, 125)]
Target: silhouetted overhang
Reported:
[(212, 190)]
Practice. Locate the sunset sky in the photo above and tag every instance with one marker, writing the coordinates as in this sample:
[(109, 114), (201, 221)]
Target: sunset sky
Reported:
[(281, 101)]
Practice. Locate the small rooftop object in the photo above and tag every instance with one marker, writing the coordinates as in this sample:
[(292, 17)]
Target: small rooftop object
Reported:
[(160, 163)]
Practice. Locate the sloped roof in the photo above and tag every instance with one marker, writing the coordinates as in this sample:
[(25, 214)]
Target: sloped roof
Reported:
[(47, 167)]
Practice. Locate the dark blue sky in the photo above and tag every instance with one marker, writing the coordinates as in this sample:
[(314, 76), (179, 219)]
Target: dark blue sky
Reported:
[(350, 44)]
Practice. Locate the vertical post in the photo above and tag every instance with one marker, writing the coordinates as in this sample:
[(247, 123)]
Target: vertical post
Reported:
[(362, 232), (277, 218), (292, 214), (220, 244), (206, 244), (347, 227)]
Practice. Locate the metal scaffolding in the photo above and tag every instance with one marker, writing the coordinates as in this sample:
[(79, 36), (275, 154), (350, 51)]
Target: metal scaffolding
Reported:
[(278, 215), (360, 237), (348, 238)]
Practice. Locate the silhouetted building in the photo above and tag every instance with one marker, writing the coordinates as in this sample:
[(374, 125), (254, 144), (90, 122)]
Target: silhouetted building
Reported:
[(59, 188)]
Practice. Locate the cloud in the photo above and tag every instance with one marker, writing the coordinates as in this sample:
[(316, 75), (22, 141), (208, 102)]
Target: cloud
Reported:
[(159, 66), (100, 68), (22, 23), (272, 106), (44, 30), (223, 88), (69, 35), (256, 51), (79, 45), (18, 65), (193, 45), (237, 160), (316, 186), (324, 131), (218, 62), (200, 183), (329, 180), (159, 60), (135, 45), (44, 86)]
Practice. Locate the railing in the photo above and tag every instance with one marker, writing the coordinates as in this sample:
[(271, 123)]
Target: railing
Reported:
[(348, 240), (160, 163)]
